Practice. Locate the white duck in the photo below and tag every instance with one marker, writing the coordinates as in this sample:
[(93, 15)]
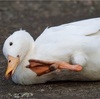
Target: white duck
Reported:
[(75, 43)]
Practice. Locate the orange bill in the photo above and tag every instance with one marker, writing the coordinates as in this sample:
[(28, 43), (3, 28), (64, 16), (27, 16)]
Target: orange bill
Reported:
[(12, 65)]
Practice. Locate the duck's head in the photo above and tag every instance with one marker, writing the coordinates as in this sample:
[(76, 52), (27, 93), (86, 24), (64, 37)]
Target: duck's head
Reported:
[(15, 49)]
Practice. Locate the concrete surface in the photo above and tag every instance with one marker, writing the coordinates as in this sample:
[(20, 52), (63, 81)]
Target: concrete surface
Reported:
[(35, 17)]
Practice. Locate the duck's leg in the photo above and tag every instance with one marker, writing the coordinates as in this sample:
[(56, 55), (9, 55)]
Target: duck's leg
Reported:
[(44, 67), (79, 58)]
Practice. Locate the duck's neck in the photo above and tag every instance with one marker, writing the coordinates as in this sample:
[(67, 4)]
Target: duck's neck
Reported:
[(22, 74), (29, 55)]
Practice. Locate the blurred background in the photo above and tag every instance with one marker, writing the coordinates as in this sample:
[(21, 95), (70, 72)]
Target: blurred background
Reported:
[(35, 16)]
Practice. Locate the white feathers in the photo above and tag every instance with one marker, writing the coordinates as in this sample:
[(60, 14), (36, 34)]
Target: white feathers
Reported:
[(84, 27)]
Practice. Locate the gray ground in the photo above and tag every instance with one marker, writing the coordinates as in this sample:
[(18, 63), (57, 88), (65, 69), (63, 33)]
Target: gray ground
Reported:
[(35, 17)]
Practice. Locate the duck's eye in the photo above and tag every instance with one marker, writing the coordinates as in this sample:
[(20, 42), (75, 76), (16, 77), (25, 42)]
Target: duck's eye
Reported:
[(10, 43)]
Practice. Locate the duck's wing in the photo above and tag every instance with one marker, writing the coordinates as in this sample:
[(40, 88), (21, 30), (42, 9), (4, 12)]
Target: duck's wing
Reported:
[(41, 67), (84, 27)]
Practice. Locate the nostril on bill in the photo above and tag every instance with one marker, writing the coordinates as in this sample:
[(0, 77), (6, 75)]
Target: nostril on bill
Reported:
[(17, 55), (9, 61)]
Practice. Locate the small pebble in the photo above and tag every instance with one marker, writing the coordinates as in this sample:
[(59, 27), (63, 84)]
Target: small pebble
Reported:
[(42, 90)]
